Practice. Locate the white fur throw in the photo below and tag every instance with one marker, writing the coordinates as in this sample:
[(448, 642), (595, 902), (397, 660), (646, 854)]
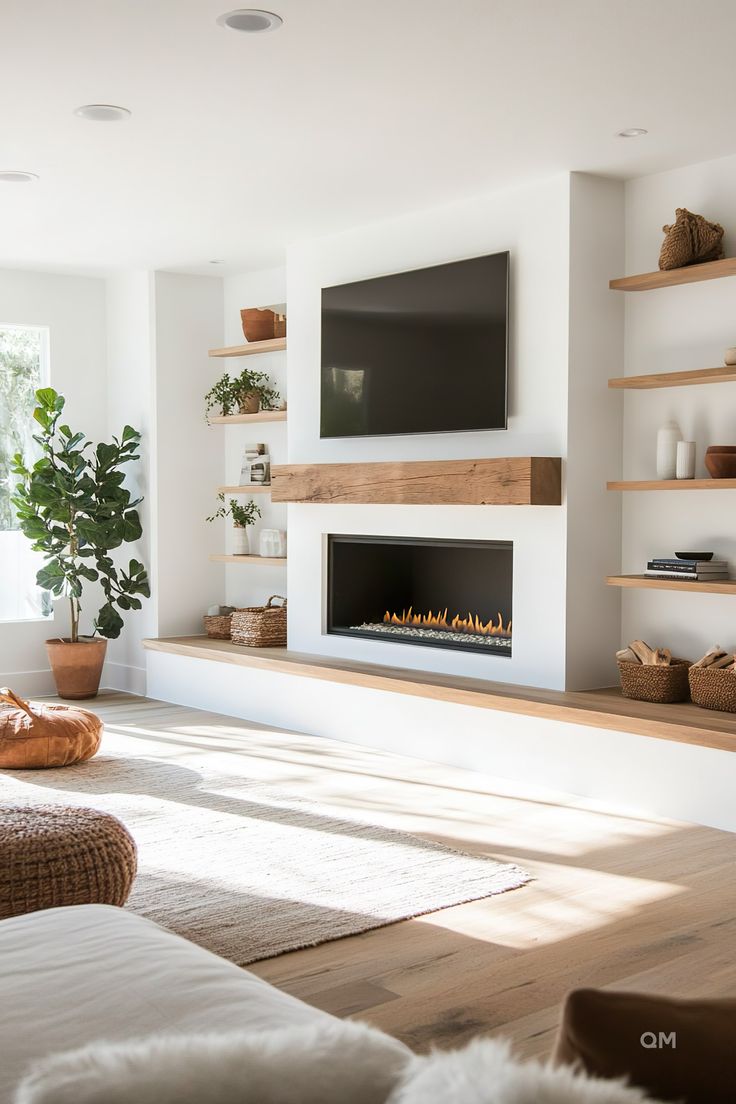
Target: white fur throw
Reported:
[(485, 1072), (321, 1064), (340, 1063)]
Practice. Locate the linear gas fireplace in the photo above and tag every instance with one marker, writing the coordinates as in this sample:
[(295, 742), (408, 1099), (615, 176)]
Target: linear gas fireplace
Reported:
[(436, 593)]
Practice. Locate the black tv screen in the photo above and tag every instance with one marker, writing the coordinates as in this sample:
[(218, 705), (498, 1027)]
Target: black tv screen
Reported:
[(417, 352)]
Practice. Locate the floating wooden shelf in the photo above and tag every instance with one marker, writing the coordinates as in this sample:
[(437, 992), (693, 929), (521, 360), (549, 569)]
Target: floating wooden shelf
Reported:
[(257, 488), (606, 709), (647, 582), (508, 481), (247, 419), (253, 348), (264, 561), (726, 374), (647, 281), (672, 485)]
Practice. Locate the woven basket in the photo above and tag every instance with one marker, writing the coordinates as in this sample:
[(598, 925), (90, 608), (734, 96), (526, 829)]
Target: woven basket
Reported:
[(713, 689), (645, 682), (218, 626), (260, 626)]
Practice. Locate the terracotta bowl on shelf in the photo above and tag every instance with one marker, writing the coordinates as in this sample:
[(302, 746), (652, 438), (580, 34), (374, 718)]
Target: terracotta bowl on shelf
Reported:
[(720, 460)]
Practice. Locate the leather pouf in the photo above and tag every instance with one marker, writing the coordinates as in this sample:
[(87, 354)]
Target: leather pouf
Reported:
[(33, 735), (57, 855)]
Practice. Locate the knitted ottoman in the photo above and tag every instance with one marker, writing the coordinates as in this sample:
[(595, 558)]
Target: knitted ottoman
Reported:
[(54, 855)]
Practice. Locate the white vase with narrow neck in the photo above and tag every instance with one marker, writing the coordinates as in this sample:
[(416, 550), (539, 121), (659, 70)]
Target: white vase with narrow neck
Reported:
[(667, 439), (241, 544)]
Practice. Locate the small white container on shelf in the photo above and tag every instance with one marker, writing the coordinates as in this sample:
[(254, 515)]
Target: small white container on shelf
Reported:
[(685, 460), (273, 543), (667, 439)]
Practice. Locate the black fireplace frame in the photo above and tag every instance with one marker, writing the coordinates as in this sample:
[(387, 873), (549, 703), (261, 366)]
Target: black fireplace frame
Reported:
[(333, 539)]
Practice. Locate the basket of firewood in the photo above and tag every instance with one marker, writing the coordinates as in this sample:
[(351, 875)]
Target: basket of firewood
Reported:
[(652, 674), (713, 681)]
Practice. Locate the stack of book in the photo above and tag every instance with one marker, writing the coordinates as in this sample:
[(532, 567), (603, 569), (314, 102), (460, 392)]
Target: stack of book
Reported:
[(704, 570)]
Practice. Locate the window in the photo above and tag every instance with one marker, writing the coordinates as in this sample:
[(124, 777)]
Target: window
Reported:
[(24, 358)]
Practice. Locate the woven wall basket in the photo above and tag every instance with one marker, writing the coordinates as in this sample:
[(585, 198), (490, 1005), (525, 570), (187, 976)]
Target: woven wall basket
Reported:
[(645, 682), (713, 689), (260, 626), (217, 627)]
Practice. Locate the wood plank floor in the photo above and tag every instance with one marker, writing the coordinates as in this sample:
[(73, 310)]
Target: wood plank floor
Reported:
[(619, 901)]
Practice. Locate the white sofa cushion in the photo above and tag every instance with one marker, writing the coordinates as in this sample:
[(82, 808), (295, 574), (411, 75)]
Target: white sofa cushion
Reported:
[(324, 1063), (72, 976)]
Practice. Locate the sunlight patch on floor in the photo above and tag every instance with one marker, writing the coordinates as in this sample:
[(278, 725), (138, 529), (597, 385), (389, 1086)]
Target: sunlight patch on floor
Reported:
[(534, 916)]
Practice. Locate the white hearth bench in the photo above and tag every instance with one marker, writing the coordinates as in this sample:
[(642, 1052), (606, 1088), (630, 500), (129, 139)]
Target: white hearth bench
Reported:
[(671, 760)]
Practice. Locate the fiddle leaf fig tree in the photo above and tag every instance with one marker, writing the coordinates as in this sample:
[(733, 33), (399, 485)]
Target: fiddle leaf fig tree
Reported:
[(72, 505)]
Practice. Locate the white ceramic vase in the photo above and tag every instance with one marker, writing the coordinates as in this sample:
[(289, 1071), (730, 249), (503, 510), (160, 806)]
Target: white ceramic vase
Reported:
[(685, 460), (667, 439), (241, 544)]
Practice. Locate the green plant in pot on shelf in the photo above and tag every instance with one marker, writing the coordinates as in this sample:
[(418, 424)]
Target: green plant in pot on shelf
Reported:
[(243, 515), (246, 393), (72, 505)]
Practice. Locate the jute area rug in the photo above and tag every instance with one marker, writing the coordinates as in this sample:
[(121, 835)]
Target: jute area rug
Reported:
[(249, 872)]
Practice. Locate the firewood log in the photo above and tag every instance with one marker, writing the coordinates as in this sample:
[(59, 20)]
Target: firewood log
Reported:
[(662, 657), (627, 656), (723, 662), (642, 651), (711, 656)]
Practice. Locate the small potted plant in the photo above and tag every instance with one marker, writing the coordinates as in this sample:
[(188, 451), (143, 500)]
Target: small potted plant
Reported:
[(73, 507), (247, 393), (243, 515)]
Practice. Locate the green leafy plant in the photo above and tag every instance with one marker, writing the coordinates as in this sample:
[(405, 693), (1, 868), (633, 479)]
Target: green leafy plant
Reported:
[(72, 505), (229, 392), (243, 514)]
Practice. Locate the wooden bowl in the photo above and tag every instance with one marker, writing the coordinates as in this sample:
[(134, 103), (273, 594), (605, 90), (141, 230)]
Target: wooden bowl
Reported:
[(721, 448), (721, 465)]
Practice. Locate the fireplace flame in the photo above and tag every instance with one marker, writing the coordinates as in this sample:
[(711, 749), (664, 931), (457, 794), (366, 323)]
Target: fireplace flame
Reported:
[(439, 620)]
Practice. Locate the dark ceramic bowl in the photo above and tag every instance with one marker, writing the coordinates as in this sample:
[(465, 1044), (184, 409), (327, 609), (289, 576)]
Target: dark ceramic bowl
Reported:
[(702, 556)]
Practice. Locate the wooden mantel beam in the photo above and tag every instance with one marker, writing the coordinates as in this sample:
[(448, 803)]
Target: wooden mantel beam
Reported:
[(497, 481)]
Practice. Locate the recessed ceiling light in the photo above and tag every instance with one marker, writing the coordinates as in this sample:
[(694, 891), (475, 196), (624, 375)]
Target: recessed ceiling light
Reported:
[(250, 20), (16, 176), (217, 262), (632, 132), (102, 113)]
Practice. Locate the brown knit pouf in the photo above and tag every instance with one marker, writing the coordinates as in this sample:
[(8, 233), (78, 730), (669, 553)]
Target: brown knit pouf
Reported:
[(54, 855)]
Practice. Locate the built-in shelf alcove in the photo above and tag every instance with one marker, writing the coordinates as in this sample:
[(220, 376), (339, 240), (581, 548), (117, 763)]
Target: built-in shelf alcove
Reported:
[(429, 592)]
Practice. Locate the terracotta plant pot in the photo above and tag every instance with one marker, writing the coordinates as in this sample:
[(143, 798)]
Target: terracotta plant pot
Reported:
[(258, 325), (250, 403), (77, 668)]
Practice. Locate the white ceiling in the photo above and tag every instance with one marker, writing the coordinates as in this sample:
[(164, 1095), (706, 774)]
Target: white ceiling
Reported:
[(351, 112)]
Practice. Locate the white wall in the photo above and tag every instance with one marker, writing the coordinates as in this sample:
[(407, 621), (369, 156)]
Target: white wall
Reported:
[(131, 400), (74, 310), (533, 224), (595, 430), (189, 459), (248, 585), (671, 330)]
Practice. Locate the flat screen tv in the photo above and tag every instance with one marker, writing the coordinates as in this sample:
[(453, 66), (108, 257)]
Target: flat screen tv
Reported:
[(417, 352)]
